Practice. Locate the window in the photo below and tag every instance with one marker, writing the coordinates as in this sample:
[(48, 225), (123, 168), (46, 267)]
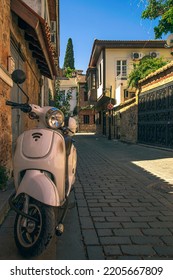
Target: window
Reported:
[(122, 68), (86, 119), (126, 93), (85, 96), (93, 81)]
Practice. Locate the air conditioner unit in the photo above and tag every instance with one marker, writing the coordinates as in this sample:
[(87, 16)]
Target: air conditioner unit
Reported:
[(154, 54), (53, 26), (137, 55)]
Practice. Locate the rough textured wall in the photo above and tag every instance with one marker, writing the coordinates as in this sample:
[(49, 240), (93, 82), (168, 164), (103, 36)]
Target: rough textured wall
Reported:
[(5, 112), (4, 31), (31, 85), (128, 124)]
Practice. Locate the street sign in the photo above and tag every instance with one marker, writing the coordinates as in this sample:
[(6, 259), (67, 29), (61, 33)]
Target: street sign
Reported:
[(110, 106)]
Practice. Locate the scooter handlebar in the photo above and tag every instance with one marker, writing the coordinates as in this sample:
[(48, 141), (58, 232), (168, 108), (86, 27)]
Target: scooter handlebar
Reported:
[(24, 107), (10, 103)]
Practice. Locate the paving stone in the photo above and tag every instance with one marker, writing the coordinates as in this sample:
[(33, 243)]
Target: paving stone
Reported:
[(120, 204), (156, 232), (96, 209), (104, 232), (118, 219), (135, 225), (164, 250), (90, 237), (112, 250), (167, 213), (115, 240), (86, 222), (165, 218), (144, 219), (102, 214), (81, 202), (107, 225), (126, 214), (95, 253), (83, 211), (127, 232), (141, 250), (144, 240), (99, 219), (167, 240), (161, 224), (97, 204), (149, 213)]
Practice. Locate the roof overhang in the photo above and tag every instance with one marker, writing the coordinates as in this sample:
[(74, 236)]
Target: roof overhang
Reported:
[(37, 34), (104, 100), (99, 45)]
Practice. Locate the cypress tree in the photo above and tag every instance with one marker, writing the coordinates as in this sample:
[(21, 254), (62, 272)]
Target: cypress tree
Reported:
[(69, 55)]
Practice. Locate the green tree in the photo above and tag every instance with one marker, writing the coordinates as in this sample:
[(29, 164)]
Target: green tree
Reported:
[(69, 55), (146, 66), (162, 9)]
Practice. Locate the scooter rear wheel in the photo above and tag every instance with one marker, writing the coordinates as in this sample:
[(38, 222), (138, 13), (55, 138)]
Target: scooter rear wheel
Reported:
[(33, 237)]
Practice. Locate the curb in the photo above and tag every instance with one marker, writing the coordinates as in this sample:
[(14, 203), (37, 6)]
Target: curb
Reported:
[(4, 205)]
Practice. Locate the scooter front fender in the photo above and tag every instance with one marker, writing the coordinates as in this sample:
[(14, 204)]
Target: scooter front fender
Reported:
[(39, 186)]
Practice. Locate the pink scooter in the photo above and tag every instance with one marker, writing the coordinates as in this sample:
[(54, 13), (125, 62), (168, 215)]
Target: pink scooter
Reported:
[(44, 172)]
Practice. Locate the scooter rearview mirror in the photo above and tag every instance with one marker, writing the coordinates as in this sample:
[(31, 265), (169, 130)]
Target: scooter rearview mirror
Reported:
[(18, 76)]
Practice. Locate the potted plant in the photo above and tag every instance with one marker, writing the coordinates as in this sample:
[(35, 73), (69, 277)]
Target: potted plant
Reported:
[(3, 178)]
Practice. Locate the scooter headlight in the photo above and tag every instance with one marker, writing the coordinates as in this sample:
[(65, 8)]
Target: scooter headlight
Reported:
[(54, 118)]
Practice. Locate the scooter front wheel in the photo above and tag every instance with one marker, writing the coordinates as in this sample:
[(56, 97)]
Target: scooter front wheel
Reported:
[(33, 236)]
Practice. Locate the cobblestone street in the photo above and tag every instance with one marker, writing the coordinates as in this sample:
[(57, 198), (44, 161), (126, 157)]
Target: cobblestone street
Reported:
[(125, 211), (124, 205)]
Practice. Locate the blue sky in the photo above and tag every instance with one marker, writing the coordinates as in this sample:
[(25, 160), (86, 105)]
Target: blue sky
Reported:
[(87, 20)]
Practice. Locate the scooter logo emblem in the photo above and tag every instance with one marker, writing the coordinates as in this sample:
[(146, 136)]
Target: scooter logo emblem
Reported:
[(36, 136)]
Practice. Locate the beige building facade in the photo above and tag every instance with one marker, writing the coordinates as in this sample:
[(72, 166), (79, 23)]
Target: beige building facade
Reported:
[(111, 62)]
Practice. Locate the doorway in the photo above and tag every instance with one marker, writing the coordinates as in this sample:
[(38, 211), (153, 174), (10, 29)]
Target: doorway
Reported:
[(16, 96)]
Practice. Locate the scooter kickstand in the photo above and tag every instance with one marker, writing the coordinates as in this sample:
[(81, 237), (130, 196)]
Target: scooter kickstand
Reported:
[(59, 230)]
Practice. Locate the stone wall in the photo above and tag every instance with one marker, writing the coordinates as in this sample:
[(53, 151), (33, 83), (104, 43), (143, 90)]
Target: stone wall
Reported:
[(9, 31), (128, 123), (31, 85), (124, 122), (5, 86)]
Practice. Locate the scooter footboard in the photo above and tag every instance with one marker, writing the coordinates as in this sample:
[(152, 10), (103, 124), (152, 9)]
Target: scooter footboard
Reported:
[(39, 186)]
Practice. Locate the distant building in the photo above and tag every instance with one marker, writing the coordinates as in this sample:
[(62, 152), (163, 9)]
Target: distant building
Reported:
[(80, 106), (69, 86)]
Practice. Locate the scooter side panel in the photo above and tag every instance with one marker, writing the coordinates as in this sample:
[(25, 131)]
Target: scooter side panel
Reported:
[(39, 143), (51, 158), (37, 185), (72, 162)]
